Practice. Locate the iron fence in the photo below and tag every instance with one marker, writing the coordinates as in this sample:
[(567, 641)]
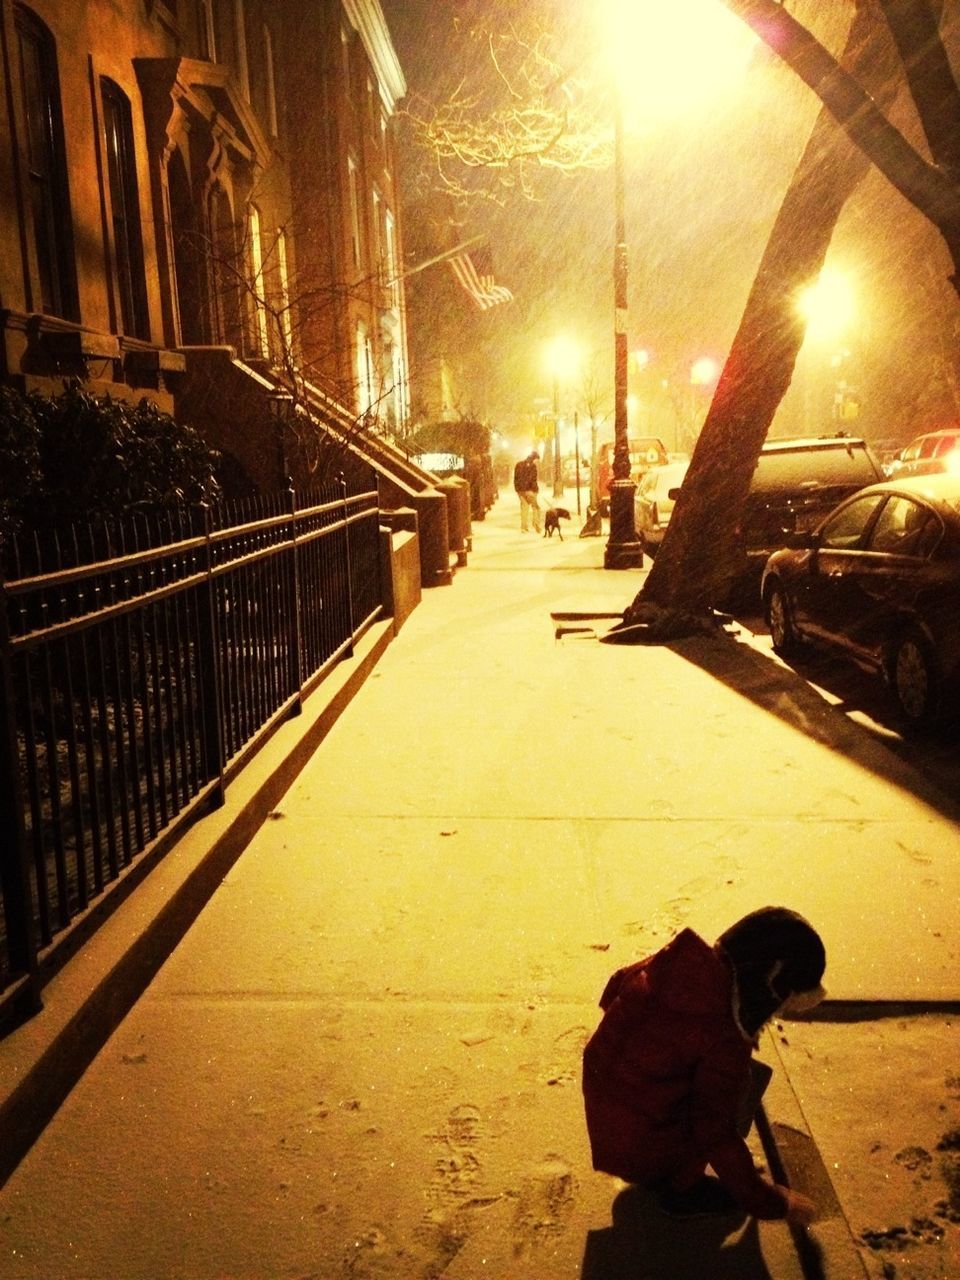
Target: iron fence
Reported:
[(141, 662)]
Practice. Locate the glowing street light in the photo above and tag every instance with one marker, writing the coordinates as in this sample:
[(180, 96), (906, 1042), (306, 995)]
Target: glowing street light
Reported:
[(676, 56), (704, 372), (828, 306)]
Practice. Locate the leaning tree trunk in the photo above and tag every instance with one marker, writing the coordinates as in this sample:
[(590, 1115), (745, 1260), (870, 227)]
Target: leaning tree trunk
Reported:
[(691, 573)]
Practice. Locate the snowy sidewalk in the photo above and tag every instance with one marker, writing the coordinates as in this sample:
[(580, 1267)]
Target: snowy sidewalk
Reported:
[(362, 1061)]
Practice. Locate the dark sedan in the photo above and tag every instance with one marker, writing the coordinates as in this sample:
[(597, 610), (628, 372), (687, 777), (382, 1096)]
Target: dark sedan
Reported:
[(879, 581)]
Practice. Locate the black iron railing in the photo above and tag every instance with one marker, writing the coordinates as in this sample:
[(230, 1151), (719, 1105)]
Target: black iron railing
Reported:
[(141, 662)]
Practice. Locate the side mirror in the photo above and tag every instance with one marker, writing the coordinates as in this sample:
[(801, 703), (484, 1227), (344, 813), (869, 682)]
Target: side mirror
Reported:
[(673, 494), (801, 540)]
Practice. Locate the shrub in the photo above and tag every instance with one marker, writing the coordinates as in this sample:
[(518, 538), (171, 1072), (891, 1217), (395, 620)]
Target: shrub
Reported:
[(74, 456), (20, 474)]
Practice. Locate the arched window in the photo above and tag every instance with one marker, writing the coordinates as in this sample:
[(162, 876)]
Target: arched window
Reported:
[(227, 266), (286, 319), (48, 196), (392, 268), (257, 283), (353, 195), (190, 266), (125, 211), (366, 389)]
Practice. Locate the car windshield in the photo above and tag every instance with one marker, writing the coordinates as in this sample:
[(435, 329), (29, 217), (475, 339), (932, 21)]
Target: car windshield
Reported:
[(841, 464)]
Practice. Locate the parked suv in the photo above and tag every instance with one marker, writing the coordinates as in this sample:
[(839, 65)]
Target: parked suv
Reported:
[(795, 484)]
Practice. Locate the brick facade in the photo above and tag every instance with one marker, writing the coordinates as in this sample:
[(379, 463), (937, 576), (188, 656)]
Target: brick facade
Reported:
[(195, 195)]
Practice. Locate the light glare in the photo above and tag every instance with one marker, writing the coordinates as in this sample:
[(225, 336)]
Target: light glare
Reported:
[(828, 306), (563, 356), (673, 56)]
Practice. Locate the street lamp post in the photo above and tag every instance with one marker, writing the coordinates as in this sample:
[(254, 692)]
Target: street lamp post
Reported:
[(562, 359), (557, 465), (623, 549), (281, 404)]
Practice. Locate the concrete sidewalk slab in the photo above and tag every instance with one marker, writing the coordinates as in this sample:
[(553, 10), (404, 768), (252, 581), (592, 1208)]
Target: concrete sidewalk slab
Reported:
[(267, 1136), (681, 800), (362, 1059), (881, 1098)]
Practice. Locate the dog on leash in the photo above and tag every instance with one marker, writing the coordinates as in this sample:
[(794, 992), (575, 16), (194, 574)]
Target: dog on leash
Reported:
[(551, 521)]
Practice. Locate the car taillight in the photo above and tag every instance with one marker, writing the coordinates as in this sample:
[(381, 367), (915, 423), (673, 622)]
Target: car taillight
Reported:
[(655, 514)]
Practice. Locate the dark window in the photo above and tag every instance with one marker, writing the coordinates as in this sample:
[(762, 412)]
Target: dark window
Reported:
[(844, 531), (48, 193), (946, 445), (206, 21), (905, 528), (125, 207)]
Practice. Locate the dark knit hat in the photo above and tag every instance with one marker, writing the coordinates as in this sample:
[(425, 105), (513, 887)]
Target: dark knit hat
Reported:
[(775, 954)]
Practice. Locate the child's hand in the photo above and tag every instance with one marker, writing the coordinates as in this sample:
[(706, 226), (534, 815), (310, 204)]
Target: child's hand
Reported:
[(801, 1210)]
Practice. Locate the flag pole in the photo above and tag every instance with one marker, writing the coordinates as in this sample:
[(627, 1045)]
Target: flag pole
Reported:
[(441, 257)]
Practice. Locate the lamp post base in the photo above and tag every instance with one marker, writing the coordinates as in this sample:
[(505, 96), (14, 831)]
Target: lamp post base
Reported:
[(624, 549)]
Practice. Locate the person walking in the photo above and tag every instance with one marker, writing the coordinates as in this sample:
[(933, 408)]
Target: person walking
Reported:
[(527, 484)]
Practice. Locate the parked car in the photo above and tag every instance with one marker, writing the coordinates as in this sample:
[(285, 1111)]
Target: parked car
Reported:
[(879, 581), (653, 503), (795, 484), (645, 452), (931, 452), (570, 471), (887, 451)]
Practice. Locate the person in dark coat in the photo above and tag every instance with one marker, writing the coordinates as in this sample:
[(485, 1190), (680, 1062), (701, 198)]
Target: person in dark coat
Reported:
[(667, 1075), (527, 484)]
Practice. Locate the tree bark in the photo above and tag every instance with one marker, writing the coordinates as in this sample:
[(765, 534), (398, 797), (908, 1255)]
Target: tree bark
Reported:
[(915, 29), (693, 568)]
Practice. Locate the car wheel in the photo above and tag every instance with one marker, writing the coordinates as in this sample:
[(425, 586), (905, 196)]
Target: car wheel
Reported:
[(780, 621), (914, 678)]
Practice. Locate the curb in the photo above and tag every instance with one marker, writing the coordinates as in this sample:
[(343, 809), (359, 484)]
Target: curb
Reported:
[(87, 999), (827, 1250)]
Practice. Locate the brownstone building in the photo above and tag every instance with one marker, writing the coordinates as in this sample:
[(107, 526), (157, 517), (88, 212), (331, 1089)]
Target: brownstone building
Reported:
[(197, 202)]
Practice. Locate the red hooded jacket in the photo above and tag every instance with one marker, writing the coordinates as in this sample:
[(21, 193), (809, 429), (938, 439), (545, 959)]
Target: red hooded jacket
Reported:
[(665, 1073)]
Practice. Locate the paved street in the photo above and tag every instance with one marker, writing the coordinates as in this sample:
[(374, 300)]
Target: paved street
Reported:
[(362, 1061)]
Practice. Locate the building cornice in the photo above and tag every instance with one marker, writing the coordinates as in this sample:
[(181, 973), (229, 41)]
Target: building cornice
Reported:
[(366, 17)]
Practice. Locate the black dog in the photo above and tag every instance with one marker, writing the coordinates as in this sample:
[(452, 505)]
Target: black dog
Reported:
[(551, 521)]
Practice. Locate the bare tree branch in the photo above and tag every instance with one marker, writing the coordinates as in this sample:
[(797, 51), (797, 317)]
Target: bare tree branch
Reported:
[(519, 114), (923, 184), (916, 33)]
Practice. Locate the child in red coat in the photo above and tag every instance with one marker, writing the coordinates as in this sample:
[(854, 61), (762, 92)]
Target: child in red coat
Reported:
[(667, 1075)]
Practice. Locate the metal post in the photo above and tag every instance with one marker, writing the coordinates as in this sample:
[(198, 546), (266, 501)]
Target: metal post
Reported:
[(576, 451), (557, 470), (348, 568), (280, 403), (296, 602), (210, 656), (14, 860), (623, 549)]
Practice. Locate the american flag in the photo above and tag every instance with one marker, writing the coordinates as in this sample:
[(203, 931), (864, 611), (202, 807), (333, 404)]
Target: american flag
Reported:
[(474, 272)]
